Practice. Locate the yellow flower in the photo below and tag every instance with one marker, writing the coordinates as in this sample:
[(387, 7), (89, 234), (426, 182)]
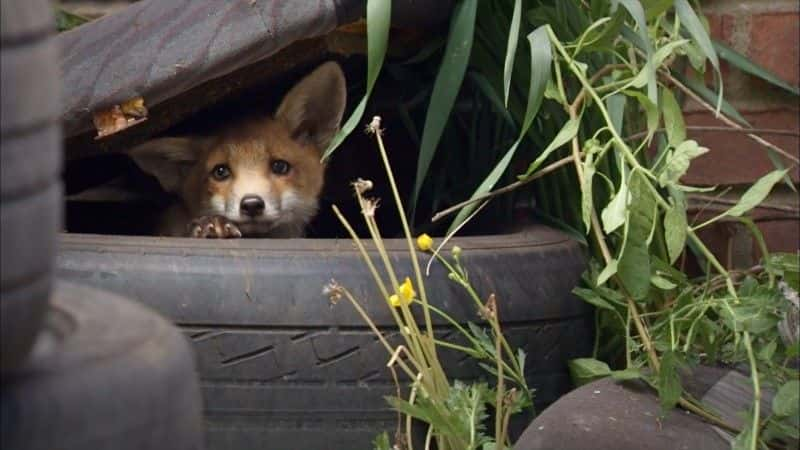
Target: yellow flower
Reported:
[(405, 296), (407, 290), (394, 299), (424, 242)]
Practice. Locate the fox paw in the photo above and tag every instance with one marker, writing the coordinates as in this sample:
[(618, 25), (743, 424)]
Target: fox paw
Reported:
[(214, 227)]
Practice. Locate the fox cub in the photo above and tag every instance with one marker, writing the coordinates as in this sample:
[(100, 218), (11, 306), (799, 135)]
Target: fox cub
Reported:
[(259, 178)]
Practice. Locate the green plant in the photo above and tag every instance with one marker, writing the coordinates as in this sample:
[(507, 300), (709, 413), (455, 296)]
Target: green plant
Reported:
[(454, 412), (594, 98), (66, 20)]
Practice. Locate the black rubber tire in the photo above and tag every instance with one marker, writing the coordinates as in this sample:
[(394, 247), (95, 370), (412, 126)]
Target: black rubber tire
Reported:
[(31, 161), (281, 365), (106, 373), (22, 311), (30, 157), (28, 236), (24, 20), (606, 415), (609, 415), (31, 86)]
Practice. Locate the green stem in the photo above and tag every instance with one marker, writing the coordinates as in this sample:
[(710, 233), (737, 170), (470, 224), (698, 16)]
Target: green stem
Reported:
[(418, 349), (756, 391), (762, 245), (467, 350), (415, 262), (377, 333), (629, 156), (714, 262), (373, 270), (498, 415)]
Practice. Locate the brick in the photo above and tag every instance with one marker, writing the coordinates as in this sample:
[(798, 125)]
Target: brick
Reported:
[(780, 235), (717, 238), (720, 26), (735, 158), (735, 248), (775, 43)]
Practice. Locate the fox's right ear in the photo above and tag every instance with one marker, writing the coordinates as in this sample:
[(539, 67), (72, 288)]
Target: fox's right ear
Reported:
[(168, 159)]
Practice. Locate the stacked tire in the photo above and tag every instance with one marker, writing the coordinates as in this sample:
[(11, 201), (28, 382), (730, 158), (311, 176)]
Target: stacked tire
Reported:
[(81, 368), (30, 161), (105, 373)]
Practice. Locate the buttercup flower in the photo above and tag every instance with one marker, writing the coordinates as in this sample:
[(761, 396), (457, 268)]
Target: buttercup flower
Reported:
[(407, 289), (424, 242), (405, 296)]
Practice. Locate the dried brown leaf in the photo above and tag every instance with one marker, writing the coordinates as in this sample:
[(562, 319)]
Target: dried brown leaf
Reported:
[(119, 117)]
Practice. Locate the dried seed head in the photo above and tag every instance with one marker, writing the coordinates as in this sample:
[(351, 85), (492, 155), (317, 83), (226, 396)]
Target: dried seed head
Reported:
[(489, 310), (369, 205), (511, 397), (333, 291), (361, 186), (400, 442), (374, 127)]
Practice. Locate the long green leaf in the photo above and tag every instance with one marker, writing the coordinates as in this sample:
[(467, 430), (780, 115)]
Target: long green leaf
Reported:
[(379, 16), (613, 215), (695, 28), (678, 162), (654, 8), (608, 271), (669, 382), (637, 12), (634, 263), (757, 192), (673, 118), (616, 109), (650, 110), (605, 38), (567, 132), (445, 88), (586, 370), (511, 48), (675, 226), (592, 297), (667, 50), (587, 198), (778, 164), (541, 60), (786, 399), (745, 64), (710, 96)]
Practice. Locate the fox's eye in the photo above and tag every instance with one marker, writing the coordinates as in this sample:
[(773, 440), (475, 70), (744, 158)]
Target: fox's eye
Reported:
[(280, 167), (221, 172)]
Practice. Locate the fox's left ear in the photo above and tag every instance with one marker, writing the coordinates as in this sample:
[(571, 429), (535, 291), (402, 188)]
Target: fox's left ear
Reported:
[(313, 108)]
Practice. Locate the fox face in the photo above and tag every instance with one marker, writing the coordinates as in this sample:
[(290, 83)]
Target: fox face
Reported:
[(258, 178)]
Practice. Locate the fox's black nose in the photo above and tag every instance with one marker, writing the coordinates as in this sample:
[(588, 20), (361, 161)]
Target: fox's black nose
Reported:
[(252, 205)]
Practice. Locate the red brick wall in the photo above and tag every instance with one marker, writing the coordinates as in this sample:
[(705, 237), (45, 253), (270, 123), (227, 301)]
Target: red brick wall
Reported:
[(767, 31)]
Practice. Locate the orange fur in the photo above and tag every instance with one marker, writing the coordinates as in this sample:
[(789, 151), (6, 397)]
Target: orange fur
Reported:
[(304, 124)]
